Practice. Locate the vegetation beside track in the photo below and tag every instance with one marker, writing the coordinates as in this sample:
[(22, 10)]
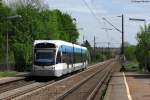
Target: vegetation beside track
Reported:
[(131, 66), (95, 56), (141, 51), (7, 73), (36, 22)]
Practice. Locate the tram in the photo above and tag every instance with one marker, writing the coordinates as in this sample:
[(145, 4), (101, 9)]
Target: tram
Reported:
[(57, 57)]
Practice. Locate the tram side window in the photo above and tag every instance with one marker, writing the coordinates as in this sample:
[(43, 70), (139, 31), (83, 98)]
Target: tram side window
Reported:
[(83, 57), (59, 57), (78, 57), (64, 57), (69, 57), (73, 57)]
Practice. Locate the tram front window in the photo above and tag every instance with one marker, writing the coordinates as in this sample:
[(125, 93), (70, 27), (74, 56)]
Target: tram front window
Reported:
[(44, 57)]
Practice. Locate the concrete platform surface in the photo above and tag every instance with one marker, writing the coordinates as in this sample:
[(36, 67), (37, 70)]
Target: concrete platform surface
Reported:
[(128, 86), (23, 74), (19, 75), (9, 79)]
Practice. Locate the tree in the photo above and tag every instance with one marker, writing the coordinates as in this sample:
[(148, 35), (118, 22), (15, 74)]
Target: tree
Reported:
[(94, 56), (87, 44), (4, 24), (143, 47), (36, 23), (130, 52)]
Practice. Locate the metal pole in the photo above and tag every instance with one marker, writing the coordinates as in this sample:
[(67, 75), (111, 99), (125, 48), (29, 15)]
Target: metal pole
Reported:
[(102, 54), (121, 31), (83, 39), (94, 47), (145, 47), (7, 48), (70, 40), (7, 41), (122, 51), (145, 44), (94, 43), (108, 50)]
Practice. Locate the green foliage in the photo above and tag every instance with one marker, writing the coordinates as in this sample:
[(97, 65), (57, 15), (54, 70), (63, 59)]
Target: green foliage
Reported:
[(36, 23), (99, 57), (143, 47), (131, 66), (7, 74), (96, 56), (22, 55), (87, 44), (130, 52), (4, 12)]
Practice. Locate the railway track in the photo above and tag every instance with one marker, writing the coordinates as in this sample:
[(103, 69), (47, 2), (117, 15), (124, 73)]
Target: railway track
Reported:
[(9, 90), (24, 85), (87, 89), (14, 84), (16, 88), (58, 89)]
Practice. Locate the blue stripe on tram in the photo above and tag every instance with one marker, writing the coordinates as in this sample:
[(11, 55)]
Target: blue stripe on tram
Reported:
[(65, 48)]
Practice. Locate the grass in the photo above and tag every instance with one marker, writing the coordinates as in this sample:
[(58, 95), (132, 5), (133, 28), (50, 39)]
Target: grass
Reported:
[(7, 73)]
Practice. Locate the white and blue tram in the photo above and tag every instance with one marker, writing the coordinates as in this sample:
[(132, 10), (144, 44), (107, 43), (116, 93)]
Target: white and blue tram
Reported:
[(57, 57)]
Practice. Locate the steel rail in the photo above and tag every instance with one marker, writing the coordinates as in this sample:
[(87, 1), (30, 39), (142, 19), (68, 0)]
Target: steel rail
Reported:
[(43, 85), (14, 85), (100, 84), (26, 91), (11, 96), (61, 97)]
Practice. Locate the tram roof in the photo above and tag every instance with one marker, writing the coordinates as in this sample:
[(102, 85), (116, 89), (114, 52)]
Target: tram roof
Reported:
[(58, 43)]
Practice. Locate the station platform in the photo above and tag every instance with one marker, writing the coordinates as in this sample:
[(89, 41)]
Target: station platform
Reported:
[(128, 86), (23, 74), (19, 75)]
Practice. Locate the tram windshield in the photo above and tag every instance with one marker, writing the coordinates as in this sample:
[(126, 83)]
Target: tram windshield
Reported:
[(45, 57)]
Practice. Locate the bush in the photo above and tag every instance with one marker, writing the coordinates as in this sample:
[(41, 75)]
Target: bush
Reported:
[(143, 47), (7, 74), (130, 53)]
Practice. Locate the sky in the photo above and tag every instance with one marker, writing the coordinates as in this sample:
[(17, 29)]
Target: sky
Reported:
[(89, 14)]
